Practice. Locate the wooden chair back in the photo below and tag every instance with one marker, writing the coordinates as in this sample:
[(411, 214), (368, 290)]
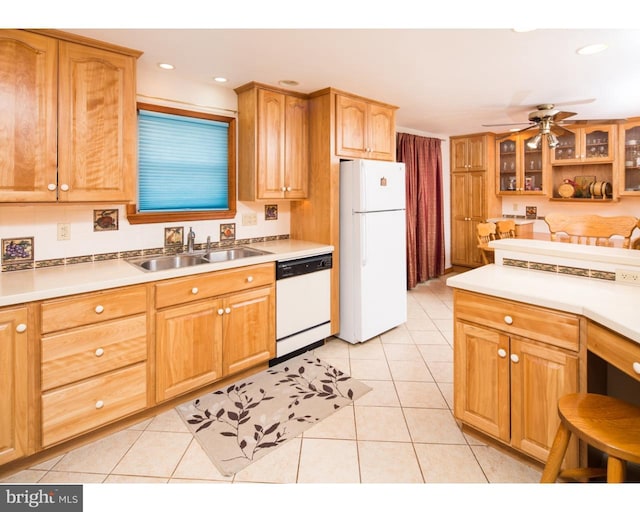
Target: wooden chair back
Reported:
[(591, 229), (486, 231), (506, 229)]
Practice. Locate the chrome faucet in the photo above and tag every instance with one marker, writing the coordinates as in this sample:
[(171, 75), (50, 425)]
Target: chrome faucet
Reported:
[(208, 244), (190, 239)]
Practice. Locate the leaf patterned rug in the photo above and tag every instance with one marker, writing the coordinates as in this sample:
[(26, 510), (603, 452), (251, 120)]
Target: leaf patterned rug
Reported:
[(243, 422)]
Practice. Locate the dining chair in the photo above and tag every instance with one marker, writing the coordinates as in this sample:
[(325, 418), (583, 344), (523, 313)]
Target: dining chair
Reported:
[(591, 229), (506, 229), (486, 231)]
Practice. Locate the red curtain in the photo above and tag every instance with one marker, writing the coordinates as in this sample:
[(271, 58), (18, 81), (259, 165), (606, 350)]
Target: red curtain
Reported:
[(422, 157)]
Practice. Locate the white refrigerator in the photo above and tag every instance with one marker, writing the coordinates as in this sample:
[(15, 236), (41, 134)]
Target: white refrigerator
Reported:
[(373, 268)]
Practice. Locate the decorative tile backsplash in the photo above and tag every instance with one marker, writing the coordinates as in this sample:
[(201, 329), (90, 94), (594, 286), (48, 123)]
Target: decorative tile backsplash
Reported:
[(561, 269)]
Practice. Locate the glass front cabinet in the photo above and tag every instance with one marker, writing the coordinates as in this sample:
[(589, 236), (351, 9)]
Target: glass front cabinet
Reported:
[(520, 169), (587, 144), (629, 159)]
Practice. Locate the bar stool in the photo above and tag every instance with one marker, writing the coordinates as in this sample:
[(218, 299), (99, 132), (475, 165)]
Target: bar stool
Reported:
[(603, 422)]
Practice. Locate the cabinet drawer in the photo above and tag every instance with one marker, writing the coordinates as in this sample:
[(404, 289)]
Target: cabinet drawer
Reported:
[(89, 351), (183, 290), (614, 348), (90, 308), (534, 322), (81, 407)]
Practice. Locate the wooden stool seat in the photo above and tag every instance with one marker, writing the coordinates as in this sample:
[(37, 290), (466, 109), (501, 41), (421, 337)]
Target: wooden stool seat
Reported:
[(603, 422)]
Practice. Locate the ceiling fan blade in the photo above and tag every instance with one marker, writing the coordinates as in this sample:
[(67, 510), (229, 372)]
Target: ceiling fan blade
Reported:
[(593, 121), (505, 124), (563, 115), (559, 130)]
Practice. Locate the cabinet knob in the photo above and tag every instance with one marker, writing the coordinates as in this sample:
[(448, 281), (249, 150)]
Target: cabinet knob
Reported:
[(227, 310), (99, 352), (636, 367), (20, 328), (51, 186), (99, 309), (64, 187), (508, 320), (288, 189), (502, 352), (221, 311), (283, 189), (249, 279), (514, 358), (99, 404), (194, 290)]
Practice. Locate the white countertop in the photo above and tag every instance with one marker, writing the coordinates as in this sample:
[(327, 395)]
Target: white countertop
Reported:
[(611, 304), (29, 285)]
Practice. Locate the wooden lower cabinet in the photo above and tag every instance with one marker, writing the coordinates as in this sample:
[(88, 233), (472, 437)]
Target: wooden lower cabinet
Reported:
[(14, 364), (507, 385)]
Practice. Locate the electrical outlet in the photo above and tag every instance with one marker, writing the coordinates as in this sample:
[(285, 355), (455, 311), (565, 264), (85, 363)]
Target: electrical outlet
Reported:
[(64, 232), (628, 276), (516, 207), (249, 219)]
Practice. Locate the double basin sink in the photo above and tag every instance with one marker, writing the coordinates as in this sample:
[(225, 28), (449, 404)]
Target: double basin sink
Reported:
[(155, 263)]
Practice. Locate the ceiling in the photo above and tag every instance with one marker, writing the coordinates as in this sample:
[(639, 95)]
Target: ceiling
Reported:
[(444, 81)]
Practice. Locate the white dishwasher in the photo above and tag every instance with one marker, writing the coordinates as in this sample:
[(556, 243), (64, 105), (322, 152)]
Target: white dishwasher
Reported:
[(303, 305)]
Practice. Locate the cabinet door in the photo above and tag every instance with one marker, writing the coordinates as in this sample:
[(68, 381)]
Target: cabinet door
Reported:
[(481, 373), (97, 125), (382, 133), (540, 375), (629, 159), (468, 207), (188, 347), (249, 334), (271, 144), (351, 127), (477, 153), (296, 145), (14, 371), (459, 160), (28, 95)]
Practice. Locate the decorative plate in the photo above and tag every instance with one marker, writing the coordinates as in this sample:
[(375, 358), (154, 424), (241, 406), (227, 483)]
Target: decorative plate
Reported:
[(566, 190)]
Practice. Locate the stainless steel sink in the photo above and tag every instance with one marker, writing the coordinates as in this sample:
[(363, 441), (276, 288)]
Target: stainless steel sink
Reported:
[(155, 263)]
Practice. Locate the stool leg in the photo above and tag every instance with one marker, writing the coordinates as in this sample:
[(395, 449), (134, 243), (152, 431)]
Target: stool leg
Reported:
[(616, 470), (556, 455)]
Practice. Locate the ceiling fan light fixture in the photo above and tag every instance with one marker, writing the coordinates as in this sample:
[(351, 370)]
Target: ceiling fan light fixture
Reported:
[(552, 140), (533, 143)]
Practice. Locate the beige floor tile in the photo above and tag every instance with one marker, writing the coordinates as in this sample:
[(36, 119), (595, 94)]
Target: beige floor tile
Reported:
[(503, 468), (447, 463), (381, 424), (436, 353), (168, 421), (420, 394), (410, 370), (441, 371), (398, 335), (196, 464), (370, 369), (428, 338), (443, 325), (333, 348), (383, 462), (26, 476), (47, 464), (446, 388), (433, 426), (101, 456), (339, 425), (154, 454), (135, 479), (419, 324), (278, 467), (66, 477), (341, 364), (371, 349), (141, 425), (383, 393), (328, 461), (401, 352)]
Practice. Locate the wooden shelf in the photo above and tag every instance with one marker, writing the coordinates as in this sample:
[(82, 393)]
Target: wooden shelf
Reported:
[(584, 200)]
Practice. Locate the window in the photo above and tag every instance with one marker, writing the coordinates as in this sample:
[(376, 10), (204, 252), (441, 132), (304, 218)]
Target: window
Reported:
[(186, 166)]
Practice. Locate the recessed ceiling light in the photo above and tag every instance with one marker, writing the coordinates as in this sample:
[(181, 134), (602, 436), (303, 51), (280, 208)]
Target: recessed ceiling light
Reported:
[(591, 49), (164, 65), (220, 79), (290, 83)]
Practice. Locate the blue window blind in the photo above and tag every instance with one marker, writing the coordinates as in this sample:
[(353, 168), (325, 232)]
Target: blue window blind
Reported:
[(182, 163)]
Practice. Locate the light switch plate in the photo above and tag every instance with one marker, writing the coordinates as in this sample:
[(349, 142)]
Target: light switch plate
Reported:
[(249, 219)]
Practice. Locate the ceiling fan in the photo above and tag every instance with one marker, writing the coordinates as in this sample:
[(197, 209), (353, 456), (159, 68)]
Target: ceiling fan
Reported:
[(546, 117)]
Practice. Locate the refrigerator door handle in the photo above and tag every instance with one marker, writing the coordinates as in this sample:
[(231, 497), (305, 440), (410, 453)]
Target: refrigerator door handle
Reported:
[(363, 239)]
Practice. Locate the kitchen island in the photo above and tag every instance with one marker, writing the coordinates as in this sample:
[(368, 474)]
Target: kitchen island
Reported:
[(545, 320)]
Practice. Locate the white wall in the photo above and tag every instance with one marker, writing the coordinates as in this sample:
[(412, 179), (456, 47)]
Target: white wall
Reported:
[(41, 222)]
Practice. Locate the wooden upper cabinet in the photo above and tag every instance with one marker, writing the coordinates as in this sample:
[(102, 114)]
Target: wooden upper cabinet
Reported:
[(97, 125), (365, 129), (469, 153), (273, 137), (68, 128), (28, 101)]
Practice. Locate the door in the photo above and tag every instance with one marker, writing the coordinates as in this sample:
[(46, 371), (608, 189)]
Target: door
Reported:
[(381, 267), (271, 144), (296, 145), (378, 186)]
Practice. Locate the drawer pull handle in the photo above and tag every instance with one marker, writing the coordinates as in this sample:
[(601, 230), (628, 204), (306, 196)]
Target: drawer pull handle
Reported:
[(21, 328), (194, 290), (636, 367), (99, 404), (99, 309), (502, 352), (508, 320), (515, 358), (99, 352), (250, 279), (227, 310), (221, 311)]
